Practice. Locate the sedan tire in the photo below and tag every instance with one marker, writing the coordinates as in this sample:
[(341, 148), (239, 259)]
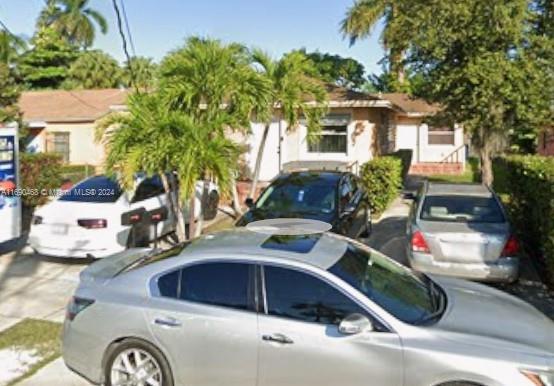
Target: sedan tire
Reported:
[(136, 362)]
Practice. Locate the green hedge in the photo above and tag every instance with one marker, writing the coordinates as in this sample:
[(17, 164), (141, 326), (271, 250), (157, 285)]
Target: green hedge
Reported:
[(40, 175), (527, 185), (382, 179), (405, 156)]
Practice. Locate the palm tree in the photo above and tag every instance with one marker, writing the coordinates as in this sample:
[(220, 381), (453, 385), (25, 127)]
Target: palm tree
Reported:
[(140, 72), (94, 69), (11, 46), (360, 20), (209, 81), (73, 19), (153, 139), (294, 89)]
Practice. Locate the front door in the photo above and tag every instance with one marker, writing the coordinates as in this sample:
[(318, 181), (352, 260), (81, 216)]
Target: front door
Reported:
[(301, 344), (205, 319)]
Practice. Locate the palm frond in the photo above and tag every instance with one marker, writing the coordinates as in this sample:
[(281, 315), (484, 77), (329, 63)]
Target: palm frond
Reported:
[(361, 18)]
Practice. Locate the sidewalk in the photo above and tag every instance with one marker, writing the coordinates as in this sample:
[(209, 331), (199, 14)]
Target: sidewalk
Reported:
[(54, 374)]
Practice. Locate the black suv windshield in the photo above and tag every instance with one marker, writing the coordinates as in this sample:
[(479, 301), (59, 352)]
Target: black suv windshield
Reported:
[(299, 198), (404, 295)]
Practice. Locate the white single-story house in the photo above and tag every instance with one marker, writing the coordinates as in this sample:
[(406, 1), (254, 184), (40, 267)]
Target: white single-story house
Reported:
[(358, 127), (63, 122)]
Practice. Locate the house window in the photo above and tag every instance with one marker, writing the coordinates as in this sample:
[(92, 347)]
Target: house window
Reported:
[(332, 139), (58, 142), (440, 136)]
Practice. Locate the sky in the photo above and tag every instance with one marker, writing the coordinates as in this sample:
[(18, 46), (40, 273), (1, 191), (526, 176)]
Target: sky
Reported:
[(276, 26)]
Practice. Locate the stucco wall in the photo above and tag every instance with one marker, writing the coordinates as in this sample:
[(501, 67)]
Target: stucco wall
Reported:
[(407, 131), (294, 145), (82, 148)]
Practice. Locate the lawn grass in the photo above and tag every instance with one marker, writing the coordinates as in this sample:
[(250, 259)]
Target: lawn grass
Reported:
[(31, 334), (76, 173)]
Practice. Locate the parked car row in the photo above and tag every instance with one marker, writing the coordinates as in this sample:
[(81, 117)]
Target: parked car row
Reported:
[(290, 304)]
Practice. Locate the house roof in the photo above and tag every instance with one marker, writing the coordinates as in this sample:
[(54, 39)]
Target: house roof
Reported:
[(89, 105), (409, 105), (342, 94), (69, 106)]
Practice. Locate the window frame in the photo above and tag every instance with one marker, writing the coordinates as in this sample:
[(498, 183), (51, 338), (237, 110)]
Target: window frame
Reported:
[(314, 148), (52, 142), (441, 132), (382, 326), (252, 285)]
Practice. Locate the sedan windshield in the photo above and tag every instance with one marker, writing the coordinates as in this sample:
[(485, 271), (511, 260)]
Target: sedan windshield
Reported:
[(310, 198), (396, 289)]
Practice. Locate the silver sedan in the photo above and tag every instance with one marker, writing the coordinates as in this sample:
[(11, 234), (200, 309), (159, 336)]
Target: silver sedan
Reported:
[(247, 308), (461, 230)]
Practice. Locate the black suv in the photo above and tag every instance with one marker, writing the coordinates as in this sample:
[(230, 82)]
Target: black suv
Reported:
[(336, 198)]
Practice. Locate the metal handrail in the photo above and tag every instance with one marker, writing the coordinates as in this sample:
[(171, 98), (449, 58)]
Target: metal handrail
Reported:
[(453, 157)]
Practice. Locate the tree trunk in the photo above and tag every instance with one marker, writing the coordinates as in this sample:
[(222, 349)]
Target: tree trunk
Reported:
[(486, 165), (397, 66), (259, 157), (192, 209), (236, 204), (174, 206), (203, 202)]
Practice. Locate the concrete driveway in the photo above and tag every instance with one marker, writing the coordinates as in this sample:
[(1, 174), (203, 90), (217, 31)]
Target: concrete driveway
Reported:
[(34, 286)]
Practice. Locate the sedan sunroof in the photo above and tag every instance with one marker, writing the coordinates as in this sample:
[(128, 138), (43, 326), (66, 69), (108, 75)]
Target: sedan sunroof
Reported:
[(292, 243)]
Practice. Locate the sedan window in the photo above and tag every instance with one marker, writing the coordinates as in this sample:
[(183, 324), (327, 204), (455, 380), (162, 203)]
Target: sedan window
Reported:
[(218, 284), (391, 286), (300, 296), (149, 188), (462, 209)]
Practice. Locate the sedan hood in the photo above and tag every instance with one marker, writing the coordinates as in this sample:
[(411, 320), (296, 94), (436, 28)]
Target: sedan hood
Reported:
[(491, 315)]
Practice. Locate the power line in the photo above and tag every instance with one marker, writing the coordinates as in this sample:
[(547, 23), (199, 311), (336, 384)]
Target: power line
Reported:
[(5, 28), (124, 43), (128, 27)]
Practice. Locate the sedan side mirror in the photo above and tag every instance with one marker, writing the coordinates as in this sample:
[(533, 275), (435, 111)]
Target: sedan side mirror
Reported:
[(354, 324), (249, 202)]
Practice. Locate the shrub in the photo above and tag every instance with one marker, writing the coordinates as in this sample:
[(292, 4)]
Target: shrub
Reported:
[(381, 178), (40, 174), (405, 156), (527, 183)]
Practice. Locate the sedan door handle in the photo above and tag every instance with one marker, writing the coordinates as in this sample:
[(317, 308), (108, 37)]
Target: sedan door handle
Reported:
[(167, 322), (277, 338)]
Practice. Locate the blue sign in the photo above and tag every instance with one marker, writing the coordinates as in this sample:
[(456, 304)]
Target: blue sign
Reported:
[(7, 158), (7, 170)]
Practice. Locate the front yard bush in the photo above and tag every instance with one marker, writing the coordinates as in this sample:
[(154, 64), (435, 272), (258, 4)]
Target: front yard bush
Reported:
[(405, 156), (382, 178), (40, 176), (527, 185)]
